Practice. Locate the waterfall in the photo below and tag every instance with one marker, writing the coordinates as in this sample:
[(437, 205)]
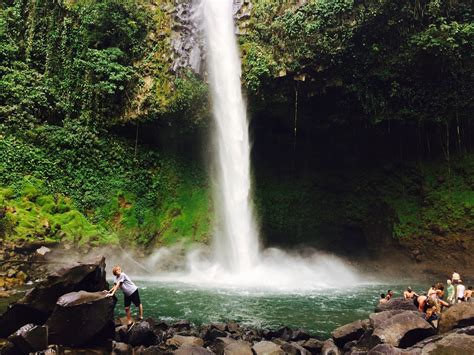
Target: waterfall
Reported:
[(236, 241), (237, 260)]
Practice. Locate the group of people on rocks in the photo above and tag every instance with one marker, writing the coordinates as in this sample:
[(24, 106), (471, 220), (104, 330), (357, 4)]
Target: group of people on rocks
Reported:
[(432, 302)]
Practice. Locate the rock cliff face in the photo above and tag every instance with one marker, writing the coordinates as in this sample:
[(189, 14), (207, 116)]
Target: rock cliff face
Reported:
[(186, 36)]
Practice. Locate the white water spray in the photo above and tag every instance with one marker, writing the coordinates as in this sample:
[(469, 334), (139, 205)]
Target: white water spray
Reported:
[(237, 261), (236, 242)]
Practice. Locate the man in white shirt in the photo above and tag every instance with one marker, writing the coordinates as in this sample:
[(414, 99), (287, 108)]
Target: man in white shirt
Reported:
[(130, 292)]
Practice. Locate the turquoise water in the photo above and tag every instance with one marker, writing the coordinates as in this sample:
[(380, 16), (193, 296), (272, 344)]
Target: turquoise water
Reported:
[(318, 312)]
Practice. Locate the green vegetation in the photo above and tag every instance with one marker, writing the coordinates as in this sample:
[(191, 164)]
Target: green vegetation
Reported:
[(410, 200), (388, 78), (100, 195)]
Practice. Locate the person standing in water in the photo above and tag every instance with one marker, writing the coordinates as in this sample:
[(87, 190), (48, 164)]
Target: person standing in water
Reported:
[(130, 292)]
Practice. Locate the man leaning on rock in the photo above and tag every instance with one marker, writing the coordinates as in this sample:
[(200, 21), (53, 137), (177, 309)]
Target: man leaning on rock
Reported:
[(130, 292)]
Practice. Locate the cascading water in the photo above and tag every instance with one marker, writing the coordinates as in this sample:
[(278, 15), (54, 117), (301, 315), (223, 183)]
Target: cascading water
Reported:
[(236, 242), (238, 261)]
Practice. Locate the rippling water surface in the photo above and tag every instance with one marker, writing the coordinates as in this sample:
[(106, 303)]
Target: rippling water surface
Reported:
[(318, 311)]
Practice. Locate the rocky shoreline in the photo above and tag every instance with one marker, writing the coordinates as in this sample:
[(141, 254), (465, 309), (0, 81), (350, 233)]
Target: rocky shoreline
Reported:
[(69, 313)]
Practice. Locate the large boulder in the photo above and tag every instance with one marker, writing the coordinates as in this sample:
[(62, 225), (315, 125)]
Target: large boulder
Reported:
[(402, 330), (348, 332), (82, 318), (219, 344), (294, 349), (396, 303), (376, 319), (38, 304), (192, 350), (330, 348), (267, 348), (460, 341), (141, 334), (239, 347), (458, 316), (180, 340), (387, 349), (30, 338), (314, 346)]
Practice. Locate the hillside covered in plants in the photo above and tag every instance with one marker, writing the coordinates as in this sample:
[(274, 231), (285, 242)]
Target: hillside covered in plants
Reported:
[(360, 116)]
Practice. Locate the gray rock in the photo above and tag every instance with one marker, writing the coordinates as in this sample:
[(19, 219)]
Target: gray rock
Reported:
[(267, 348), (233, 327), (38, 304), (238, 348), (141, 334), (348, 332), (396, 303), (294, 348), (402, 330), (30, 338), (314, 346), (192, 350), (122, 349), (387, 349), (451, 343), (82, 318), (221, 343), (181, 340), (458, 316), (300, 334), (329, 348), (376, 319)]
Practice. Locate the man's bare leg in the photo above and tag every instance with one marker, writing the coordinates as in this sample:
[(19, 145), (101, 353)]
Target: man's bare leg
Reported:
[(140, 309), (129, 315)]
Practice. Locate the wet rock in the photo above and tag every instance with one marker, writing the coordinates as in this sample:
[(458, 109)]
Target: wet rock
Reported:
[(220, 344), (43, 250), (141, 334), (220, 326), (151, 350), (348, 332), (300, 334), (121, 334), (232, 327), (39, 303), (192, 350), (387, 349), (214, 333), (267, 348), (314, 346), (329, 348), (458, 316), (456, 342), (284, 333), (376, 319), (82, 318), (180, 340), (238, 347), (396, 304), (181, 325), (30, 338), (161, 326), (294, 348), (402, 330), (122, 349)]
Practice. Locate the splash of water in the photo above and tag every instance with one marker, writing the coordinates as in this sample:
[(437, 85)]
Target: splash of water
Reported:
[(236, 245), (237, 261)]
